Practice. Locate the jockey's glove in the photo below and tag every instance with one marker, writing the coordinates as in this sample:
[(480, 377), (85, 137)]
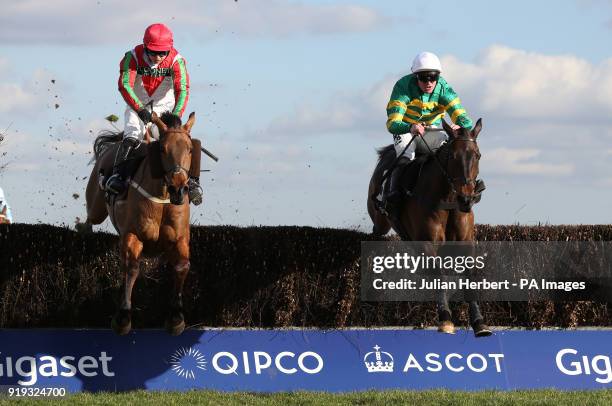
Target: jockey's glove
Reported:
[(145, 116)]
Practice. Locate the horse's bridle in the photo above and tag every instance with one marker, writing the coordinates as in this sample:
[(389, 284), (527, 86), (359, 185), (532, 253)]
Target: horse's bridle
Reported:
[(167, 178), (467, 199), (175, 169), (169, 171)]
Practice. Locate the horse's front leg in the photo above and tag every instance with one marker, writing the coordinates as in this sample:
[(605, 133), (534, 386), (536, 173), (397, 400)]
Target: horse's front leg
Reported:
[(130, 250), (433, 235), (460, 227), (179, 265)]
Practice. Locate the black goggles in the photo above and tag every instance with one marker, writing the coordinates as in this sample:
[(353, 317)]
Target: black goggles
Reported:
[(428, 77), (156, 53)]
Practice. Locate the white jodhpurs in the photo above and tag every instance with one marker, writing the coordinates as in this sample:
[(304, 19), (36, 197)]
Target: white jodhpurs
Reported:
[(433, 138), (134, 127)]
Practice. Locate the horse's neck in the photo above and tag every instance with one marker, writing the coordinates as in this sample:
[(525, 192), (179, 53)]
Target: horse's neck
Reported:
[(433, 182), (154, 187)]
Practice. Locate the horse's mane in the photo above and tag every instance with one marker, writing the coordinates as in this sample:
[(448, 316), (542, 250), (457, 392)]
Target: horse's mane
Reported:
[(385, 156), (107, 138), (171, 120)]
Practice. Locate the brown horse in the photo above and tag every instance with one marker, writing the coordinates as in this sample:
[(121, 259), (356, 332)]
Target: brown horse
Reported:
[(154, 216), (440, 207)]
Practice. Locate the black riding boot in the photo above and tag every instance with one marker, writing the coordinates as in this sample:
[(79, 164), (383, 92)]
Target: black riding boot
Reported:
[(396, 192), (116, 183), (195, 191)]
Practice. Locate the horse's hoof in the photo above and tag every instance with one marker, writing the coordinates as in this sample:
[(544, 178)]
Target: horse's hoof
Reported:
[(446, 327), (481, 329), (122, 322), (176, 329), (121, 329)]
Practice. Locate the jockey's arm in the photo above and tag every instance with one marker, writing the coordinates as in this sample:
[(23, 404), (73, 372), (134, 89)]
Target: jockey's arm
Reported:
[(454, 108), (397, 120), (127, 77), (180, 80)]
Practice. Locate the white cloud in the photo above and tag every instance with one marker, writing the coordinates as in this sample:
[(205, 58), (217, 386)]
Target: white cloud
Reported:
[(504, 84), (516, 162), (345, 111), (96, 22), (536, 108), (14, 97), (25, 96), (513, 83)]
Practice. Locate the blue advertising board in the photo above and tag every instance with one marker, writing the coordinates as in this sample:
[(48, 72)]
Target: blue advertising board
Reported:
[(287, 360)]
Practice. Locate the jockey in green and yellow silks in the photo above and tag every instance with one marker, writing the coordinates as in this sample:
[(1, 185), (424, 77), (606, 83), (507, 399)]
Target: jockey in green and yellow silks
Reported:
[(410, 105), (420, 99)]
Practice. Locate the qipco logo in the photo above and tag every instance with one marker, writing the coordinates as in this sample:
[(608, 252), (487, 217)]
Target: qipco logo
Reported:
[(286, 362)]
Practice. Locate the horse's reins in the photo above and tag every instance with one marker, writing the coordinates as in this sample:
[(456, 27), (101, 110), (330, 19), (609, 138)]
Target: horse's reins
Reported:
[(437, 159), (396, 160), (449, 179)]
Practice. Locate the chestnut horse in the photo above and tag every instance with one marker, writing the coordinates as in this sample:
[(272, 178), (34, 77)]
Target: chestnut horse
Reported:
[(153, 217), (439, 208)]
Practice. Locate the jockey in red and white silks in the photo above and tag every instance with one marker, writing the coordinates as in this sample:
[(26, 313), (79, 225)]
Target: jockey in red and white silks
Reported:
[(153, 72), (152, 75)]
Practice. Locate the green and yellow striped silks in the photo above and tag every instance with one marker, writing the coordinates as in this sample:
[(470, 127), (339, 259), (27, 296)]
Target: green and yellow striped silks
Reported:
[(409, 105)]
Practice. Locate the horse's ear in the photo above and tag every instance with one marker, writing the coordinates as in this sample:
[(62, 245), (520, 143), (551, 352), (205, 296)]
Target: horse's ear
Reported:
[(160, 124), (4, 210), (477, 128), (448, 129), (189, 123)]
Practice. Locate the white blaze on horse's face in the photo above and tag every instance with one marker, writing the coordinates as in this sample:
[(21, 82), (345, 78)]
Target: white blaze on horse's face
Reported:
[(175, 147), (176, 158)]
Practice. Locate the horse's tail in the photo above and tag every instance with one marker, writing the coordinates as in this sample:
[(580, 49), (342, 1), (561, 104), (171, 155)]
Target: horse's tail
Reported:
[(105, 140), (386, 156), (381, 224)]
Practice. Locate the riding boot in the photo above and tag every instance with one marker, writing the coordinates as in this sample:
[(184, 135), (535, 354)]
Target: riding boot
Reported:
[(195, 191), (396, 191), (116, 183)]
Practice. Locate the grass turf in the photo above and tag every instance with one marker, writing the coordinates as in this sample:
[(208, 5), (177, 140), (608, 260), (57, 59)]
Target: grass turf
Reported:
[(434, 397)]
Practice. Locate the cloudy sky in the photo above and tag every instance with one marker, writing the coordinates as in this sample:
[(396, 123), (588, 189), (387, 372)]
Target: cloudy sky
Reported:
[(291, 95)]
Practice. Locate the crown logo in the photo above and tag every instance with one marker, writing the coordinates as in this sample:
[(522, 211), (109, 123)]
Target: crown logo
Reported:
[(373, 360)]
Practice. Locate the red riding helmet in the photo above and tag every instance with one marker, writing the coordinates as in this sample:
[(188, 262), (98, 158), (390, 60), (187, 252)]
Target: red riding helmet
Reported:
[(158, 37)]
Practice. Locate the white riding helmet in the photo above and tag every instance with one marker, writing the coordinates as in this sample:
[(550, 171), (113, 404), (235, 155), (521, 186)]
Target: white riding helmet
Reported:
[(426, 61)]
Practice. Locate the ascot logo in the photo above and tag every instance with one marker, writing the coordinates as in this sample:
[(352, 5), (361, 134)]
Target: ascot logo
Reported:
[(380, 361), (187, 361)]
